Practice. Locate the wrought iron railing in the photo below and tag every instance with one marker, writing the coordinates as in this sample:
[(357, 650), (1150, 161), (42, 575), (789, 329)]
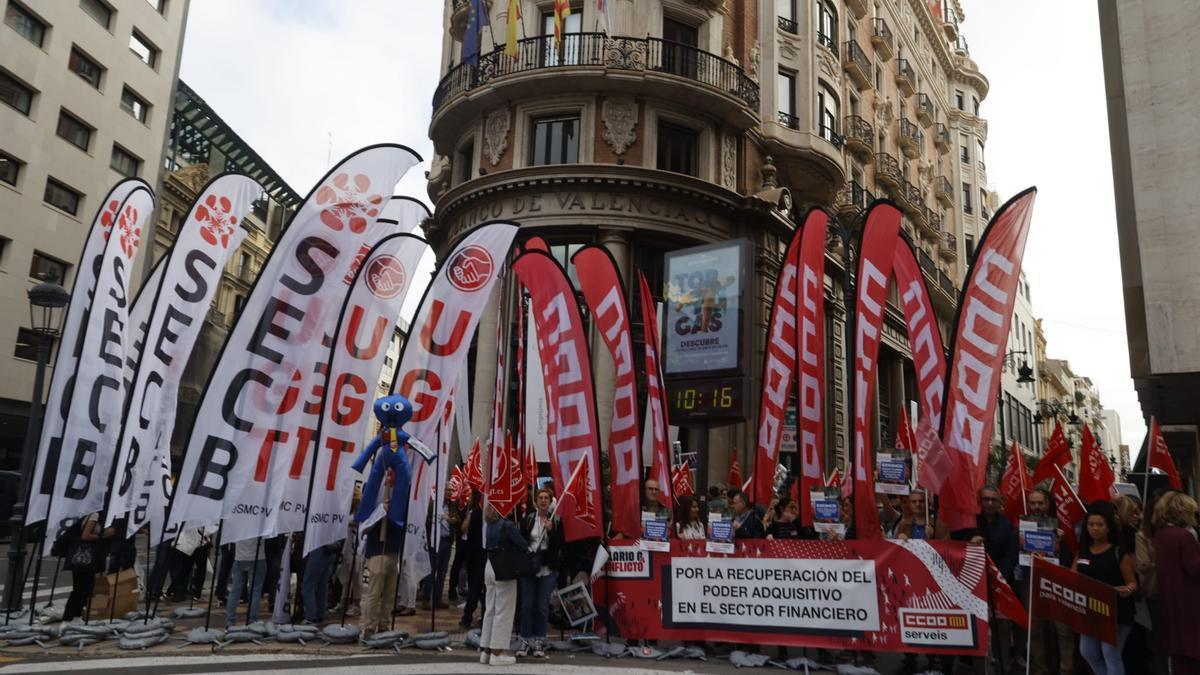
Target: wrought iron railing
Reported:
[(830, 134), (943, 186), (598, 49), (788, 25), (858, 129), (789, 120), (949, 242), (854, 194), (906, 71), (927, 264), (827, 42), (880, 29), (912, 195), (941, 134), (925, 106), (947, 285), (855, 54), (886, 166), (911, 132), (935, 219)]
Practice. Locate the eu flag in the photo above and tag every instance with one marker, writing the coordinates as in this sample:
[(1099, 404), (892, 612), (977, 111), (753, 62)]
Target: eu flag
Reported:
[(477, 18)]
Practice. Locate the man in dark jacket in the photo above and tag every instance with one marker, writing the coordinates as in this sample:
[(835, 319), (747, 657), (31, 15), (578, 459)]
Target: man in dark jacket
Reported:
[(746, 522), (999, 539)]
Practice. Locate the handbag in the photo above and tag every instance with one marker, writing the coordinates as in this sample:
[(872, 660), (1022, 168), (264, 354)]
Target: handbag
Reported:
[(83, 557), (509, 563)]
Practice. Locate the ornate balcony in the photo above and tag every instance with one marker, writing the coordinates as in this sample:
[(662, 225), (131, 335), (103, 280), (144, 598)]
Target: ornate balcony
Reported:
[(787, 25), (926, 112), (887, 172), (860, 137), (911, 139), (597, 62), (933, 224), (943, 192), (913, 203), (881, 38), (941, 138), (859, 7), (927, 264), (950, 27), (830, 134), (853, 198), (906, 79), (949, 248), (947, 285), (789, 120), (857, 65), (827, 42)]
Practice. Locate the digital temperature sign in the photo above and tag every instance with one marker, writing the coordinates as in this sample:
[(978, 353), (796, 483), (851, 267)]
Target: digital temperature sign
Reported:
[(716, 399)]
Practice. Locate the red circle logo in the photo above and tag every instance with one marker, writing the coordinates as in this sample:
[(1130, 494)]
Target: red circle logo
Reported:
[(471, 268), (385, 277)]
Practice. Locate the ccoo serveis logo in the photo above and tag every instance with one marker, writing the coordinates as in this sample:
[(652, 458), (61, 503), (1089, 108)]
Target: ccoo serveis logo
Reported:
[(917, 619)]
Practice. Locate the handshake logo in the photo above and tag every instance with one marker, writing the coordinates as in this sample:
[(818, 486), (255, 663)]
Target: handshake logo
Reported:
[(470, 269)]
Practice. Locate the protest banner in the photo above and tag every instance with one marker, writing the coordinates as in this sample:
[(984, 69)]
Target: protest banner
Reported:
[(913, 596), (1085, 605)]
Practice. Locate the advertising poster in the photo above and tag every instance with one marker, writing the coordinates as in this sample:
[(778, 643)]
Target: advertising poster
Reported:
[(704, 286), (914, 596)]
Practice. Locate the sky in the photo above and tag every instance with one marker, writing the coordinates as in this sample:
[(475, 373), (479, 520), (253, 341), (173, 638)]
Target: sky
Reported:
[(306, 83)]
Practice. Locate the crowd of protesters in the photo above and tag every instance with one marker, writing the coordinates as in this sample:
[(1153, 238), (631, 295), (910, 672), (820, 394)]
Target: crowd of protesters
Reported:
[(1151, 557)]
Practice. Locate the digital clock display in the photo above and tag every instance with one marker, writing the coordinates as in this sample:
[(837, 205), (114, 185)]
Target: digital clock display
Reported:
[(721, 398)]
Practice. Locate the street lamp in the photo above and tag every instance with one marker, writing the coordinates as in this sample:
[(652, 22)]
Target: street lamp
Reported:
[(47, 301)]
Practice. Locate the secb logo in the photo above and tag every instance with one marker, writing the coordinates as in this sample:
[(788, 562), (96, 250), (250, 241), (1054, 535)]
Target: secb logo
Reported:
[(385, 277), (470, 269)]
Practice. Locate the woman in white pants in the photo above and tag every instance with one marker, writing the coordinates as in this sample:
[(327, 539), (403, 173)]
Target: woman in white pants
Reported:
[(496, 637)]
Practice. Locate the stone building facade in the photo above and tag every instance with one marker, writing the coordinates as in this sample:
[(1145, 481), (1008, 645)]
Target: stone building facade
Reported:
[(669, 124)]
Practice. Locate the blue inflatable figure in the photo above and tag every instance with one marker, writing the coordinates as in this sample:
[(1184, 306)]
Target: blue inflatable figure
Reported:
[(393, 412)]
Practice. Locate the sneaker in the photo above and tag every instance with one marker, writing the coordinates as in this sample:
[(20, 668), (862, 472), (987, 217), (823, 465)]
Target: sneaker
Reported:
[(524, 650), (539, 649), (406, 611), (484, 657), (503, 660)]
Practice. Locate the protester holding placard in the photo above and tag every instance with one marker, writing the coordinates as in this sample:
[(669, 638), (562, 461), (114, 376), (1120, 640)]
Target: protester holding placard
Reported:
[(1045, 648), (785, 522), (544, 532), (1178, 580), (917, 525), (688, 523), (1103, 559)]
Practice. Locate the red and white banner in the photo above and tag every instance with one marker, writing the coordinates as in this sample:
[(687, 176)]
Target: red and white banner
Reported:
[(1160, 455), (256, 422), (1056, 454), (566, 364), (365, 326), (1086, 606), (875, 260), (1069, 508), (656, 397), (434, 356), (810, 350), (1096, 478), (97, 394), (913, 596), (924, 337), (66, 360), (208, 236), (605, 296), (779, 369), (1015, 485), (985, 310)]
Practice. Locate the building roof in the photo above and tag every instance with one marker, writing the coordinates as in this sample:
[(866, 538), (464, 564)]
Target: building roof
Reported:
[(204, 129)]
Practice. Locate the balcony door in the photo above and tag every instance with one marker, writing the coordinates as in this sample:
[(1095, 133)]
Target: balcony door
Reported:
[(572, 42), (679, 48)]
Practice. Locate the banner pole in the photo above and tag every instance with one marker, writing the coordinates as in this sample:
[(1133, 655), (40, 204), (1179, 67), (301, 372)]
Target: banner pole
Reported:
[(112, 595), (218, 560), (435, 590), (1029, 631)]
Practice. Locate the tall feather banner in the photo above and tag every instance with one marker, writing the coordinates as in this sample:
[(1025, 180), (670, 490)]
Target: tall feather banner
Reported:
[(98, 390), (985, 310), (605, 296), (924, 336), (656, 397), (45, 468), (246, 457), (874, 270), (810, 363)]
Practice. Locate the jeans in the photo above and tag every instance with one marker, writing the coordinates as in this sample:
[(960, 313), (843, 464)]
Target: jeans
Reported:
[(438, 578), (254, 572), (1105, 659), (317, 571), (535, 604)]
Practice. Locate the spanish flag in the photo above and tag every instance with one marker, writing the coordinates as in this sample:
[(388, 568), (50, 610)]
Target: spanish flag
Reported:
[(562, 9), (514, 20)]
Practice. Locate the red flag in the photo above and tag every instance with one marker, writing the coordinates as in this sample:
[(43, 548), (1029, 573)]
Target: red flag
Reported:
[(1015, 485), (563, 346), (924, 336), (1160, 456), (500, 491), (1003, 598), (905, 438), (834, 479), (605, 297), (1069, 509), (810, 363), (473, 469), (937, 466), (875, 259), (1096, 478), (779, 367), (1057, 453), (531, 469), (985, 311), (656, 397), (735, 473), (577, 489), (520, 484), (682, 481)]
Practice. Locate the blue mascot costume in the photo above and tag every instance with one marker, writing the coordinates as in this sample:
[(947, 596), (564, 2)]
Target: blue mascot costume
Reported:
[(393, 412)]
